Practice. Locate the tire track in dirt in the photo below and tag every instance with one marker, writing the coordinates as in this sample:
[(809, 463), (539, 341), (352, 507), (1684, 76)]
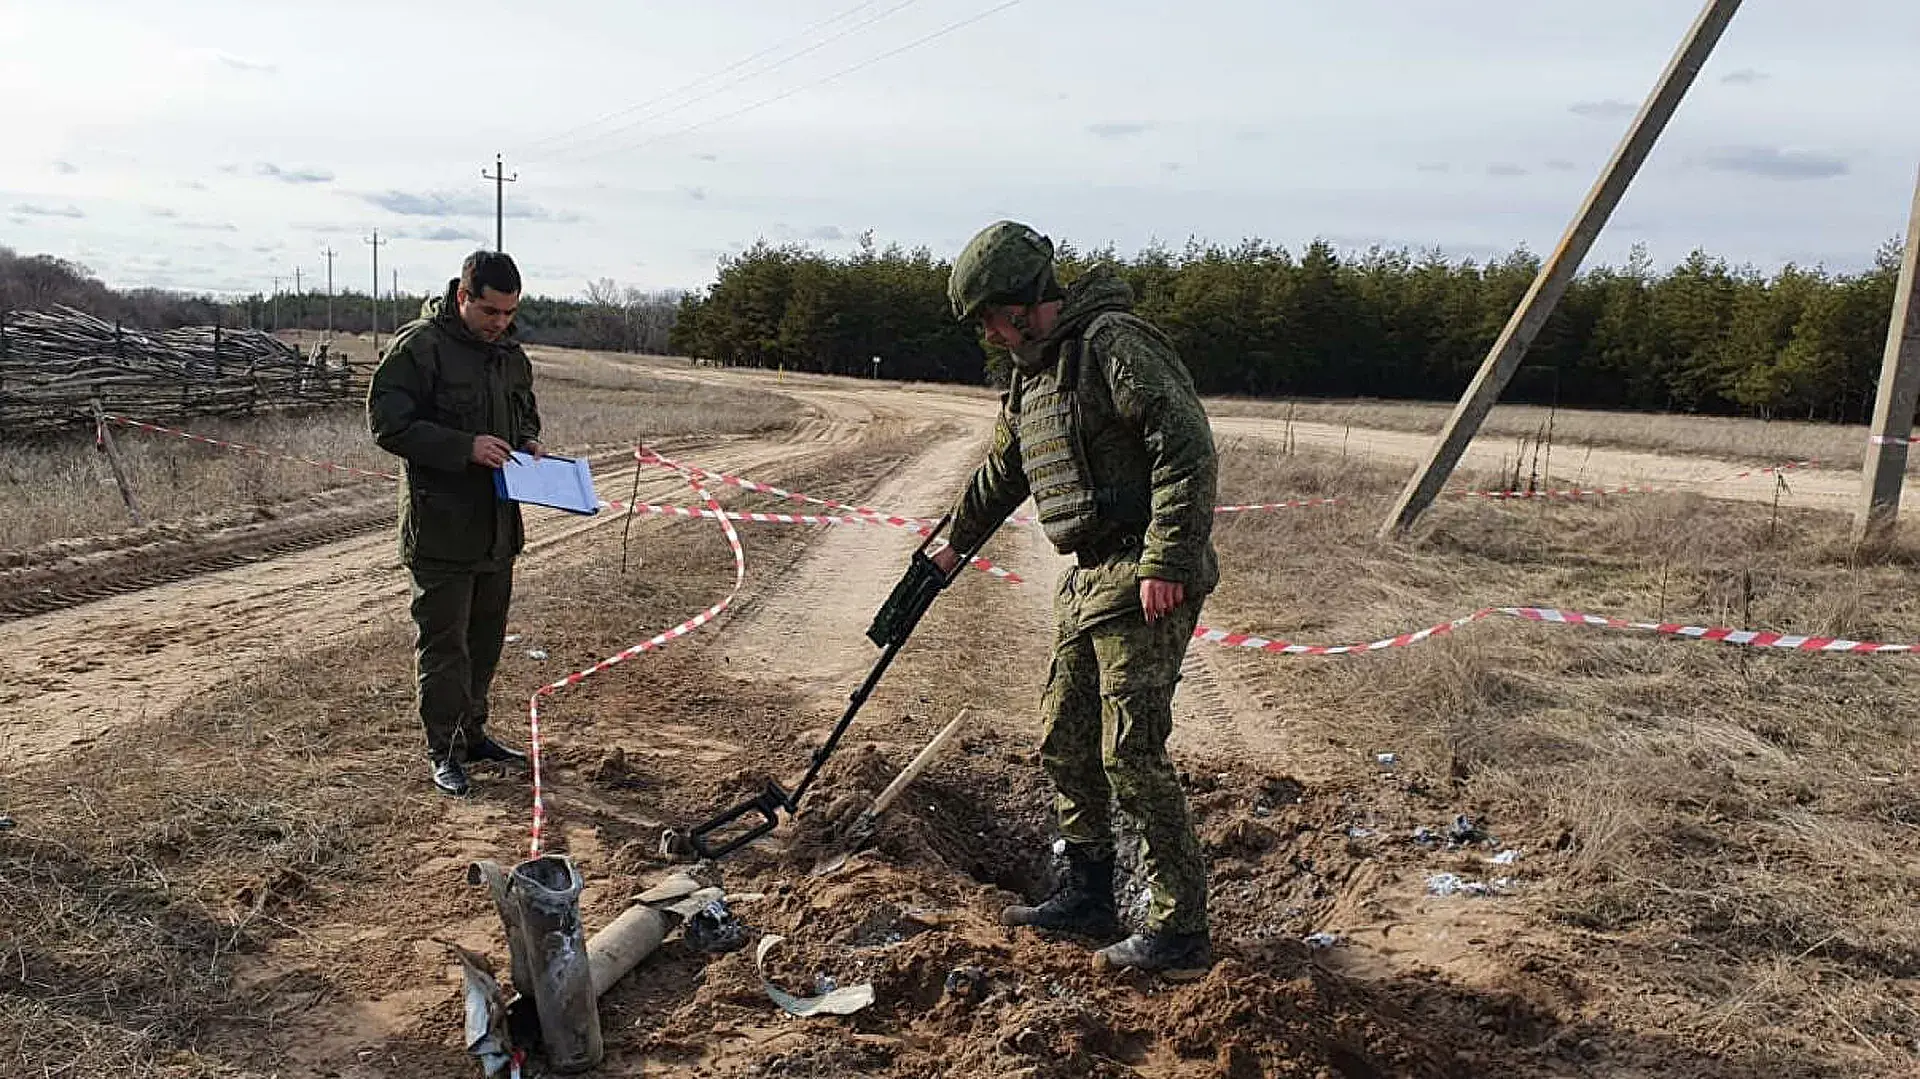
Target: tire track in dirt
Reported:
[(71, 674), (75, 576)]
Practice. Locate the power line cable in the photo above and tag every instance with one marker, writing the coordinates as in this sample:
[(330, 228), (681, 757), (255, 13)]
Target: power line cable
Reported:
[(676, 91), (716, 91), (842, 73)]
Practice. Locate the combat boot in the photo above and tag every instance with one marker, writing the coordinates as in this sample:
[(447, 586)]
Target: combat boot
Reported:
[(1179, 957), (1082, 902)]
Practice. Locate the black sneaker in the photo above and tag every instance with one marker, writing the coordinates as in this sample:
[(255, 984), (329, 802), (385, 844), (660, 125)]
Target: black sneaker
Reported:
[(1179, 957), (449, 776), (486, 749)]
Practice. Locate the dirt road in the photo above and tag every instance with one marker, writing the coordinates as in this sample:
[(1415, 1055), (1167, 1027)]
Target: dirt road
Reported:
[(72, 673)]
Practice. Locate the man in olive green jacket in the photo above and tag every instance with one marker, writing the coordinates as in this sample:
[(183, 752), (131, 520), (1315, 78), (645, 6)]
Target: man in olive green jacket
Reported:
[(453, 397), (1102, 427)]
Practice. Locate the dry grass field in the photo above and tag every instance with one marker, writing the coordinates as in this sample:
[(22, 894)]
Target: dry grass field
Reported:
[(1718, 843), (1711, 853), (60, 489), (1724, 437)]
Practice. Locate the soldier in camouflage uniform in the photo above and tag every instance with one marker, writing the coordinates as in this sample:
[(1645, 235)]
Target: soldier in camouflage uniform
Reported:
[(1102, 427), (453, 396)]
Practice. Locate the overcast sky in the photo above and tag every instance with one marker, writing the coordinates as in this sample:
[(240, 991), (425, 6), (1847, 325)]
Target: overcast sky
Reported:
[(212, 145)]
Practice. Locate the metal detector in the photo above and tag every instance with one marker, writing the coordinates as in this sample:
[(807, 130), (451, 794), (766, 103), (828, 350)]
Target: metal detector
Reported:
[(891, 627)]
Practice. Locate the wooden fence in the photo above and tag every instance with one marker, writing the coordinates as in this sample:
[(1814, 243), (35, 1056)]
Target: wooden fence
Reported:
[(54, 363)]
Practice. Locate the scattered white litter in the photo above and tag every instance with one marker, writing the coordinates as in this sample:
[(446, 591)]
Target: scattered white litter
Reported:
[(513, 638), (536, 653), (1506, 857), (1387, 760), (1451, 884), (1323, 940)]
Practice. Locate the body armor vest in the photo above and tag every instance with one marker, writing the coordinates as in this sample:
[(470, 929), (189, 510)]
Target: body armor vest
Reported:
[(1052, 450)]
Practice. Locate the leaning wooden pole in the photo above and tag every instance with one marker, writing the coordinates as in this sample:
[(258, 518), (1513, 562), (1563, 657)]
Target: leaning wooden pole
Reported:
[(104, 439), (1886, 467), (1558, 272)]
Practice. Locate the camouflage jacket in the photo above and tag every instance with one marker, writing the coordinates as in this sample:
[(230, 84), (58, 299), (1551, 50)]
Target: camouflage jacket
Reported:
[(1144, 440), (437, 387)]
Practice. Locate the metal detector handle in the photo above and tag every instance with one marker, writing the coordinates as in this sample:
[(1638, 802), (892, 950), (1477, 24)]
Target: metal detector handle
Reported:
[(917, 589), (767, 803)]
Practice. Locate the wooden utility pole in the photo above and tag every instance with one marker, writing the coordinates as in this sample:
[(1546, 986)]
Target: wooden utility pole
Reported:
[(373, 296), (273, 319), (104, 439), (1886, 468), (330, 254), (1559, 269), (395, 297), (500, 181)]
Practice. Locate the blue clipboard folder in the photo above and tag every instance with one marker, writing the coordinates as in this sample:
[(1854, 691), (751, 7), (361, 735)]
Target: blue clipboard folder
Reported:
[(563, 483)]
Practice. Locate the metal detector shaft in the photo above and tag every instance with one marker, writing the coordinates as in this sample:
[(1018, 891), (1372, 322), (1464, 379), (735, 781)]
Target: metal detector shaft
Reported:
[(891, 627)]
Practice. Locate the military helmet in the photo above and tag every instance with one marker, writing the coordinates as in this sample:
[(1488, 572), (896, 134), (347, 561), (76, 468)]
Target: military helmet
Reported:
[(1006, 262)]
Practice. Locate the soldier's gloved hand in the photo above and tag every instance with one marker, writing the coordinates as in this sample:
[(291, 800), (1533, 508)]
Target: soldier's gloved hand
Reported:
[(490, 451), (947, 559), (1158, 597)]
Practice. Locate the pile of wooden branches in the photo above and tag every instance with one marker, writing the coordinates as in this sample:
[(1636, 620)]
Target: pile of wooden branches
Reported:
[(54, 364)]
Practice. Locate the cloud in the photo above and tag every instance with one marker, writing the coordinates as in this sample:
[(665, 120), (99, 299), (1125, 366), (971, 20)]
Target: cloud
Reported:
[(1169, 167), (161, 211), (1746, 76), (1434, 166), (441, 204), (1561, 164), (209, 226), (697, 194), (241, 63), (1249, 134), (230, 169), (65, 168), (442, 234), (293, 176), (1117, 131), (822, 233), (1505, 168), (1775, 163), (706, 157), (193, 185), (1610, 109), (29, 209)]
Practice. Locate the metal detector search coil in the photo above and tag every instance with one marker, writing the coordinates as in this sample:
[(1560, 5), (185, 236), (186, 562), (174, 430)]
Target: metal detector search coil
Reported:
[(892, 625)]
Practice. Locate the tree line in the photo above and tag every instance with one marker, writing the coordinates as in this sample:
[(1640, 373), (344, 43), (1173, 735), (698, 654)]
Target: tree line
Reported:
[(1253, 319), (1260, 320), (610, 318)]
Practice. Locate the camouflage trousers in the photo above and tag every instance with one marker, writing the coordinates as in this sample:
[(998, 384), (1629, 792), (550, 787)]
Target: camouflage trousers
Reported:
[(1108, 712), (460, 622)]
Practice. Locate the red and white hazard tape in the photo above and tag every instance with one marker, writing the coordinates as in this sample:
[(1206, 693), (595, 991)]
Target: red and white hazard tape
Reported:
[(769, 489), (909, 523), (1558, 616), (1889, 440), (1572, 494), (244, 447), (659, 640), (1296, 504), (1775, 470)]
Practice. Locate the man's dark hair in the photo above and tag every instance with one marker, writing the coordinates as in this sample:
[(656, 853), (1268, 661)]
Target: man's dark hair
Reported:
[(489, 270)]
